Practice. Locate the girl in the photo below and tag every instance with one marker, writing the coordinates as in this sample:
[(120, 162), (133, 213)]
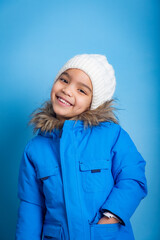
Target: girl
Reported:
[(81, 177)]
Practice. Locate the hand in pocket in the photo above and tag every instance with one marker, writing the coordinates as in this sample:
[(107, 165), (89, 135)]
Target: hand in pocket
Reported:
[(106, 220)]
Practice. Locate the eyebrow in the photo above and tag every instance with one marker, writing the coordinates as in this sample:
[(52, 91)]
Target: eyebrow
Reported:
[(83, 84)]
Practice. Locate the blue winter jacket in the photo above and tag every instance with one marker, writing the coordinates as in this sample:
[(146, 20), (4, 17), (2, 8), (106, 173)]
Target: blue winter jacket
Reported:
[(69, 177)]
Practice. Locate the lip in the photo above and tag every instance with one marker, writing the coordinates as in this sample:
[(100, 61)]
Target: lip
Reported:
[(64, 100)]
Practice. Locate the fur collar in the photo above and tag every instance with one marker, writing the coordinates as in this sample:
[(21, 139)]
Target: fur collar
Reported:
[(45, 119)]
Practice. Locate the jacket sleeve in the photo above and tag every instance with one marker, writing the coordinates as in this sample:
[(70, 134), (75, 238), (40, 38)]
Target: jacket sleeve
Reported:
[(31, 209), (130, 187)]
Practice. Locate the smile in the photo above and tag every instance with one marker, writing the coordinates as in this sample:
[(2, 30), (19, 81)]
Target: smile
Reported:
[(64, 102)]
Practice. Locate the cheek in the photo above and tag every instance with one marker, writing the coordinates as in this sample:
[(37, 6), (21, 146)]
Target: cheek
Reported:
[(53, 91), (85, 103), (88, 101)]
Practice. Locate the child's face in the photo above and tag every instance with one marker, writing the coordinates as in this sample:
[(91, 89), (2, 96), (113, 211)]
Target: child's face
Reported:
[(71, 94)]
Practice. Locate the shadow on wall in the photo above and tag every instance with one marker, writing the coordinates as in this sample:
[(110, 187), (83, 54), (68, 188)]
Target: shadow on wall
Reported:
[(14, 136)]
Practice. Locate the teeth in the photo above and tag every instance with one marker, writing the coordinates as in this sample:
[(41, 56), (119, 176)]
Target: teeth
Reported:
[(63, 101)]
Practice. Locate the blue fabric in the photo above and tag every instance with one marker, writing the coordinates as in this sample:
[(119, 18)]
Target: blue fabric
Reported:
[(69, 177)]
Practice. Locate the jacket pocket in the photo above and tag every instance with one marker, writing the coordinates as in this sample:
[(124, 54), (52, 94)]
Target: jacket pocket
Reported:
[(53, 232), (48, 176), (46, 172), (94, 175), (104, 231)]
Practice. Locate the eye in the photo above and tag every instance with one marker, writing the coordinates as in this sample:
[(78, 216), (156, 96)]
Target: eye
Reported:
[(63, 80), (82, 91)]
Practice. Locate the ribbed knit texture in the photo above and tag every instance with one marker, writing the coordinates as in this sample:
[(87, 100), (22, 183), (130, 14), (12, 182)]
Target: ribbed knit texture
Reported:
[(99, 71)]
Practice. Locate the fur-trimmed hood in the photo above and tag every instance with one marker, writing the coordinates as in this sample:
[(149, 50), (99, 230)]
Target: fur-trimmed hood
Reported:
[(44, 118)]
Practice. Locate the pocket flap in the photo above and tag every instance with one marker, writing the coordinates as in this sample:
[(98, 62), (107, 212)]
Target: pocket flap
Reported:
[(46, 172), (52, 231), (94, 165)]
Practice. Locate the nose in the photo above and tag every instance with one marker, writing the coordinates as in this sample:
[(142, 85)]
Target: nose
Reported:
[(67, 91)]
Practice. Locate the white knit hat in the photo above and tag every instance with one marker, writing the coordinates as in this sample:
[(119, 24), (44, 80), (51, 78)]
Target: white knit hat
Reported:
[(100, 72)]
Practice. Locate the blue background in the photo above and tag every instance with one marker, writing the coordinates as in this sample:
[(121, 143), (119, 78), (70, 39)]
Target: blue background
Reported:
[(37, 38)]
